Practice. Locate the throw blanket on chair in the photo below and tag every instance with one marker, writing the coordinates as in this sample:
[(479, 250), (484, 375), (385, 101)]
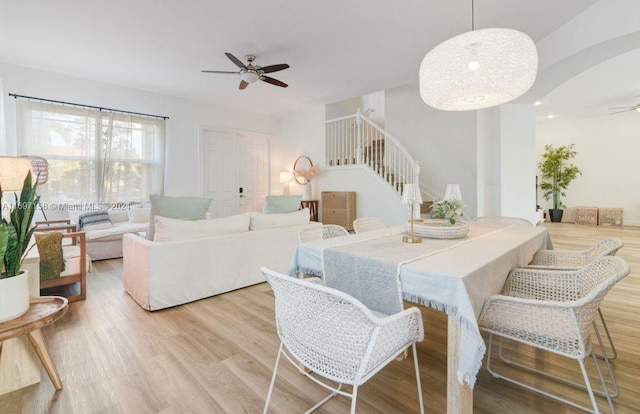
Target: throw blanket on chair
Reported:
[(51, 257)]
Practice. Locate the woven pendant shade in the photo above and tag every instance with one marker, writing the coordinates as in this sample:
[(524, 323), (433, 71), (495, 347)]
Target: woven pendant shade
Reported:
[(478, 69)]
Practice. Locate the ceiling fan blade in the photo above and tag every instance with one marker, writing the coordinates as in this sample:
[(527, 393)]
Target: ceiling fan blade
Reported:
[(220, 71), (619, 112), (243, 84), (235, 60), (274, 68), (273, 81)]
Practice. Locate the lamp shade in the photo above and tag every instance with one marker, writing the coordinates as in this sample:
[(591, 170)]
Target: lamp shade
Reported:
[(13, 171), (411, 194), (452, 192), (478, 69), (286, 177)]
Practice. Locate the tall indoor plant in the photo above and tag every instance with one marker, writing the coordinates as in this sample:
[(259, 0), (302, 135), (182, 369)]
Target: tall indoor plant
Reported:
[(557, 173), (14, 240)]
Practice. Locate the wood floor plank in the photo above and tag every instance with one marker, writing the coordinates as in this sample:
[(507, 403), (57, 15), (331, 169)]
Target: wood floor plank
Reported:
[(216, 355)]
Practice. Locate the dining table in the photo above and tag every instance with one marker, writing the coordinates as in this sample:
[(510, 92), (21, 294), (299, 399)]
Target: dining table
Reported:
[(452, 275)]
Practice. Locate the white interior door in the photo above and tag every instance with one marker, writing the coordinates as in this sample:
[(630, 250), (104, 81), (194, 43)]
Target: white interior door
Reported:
[(254, 171), (235, 171), (220, 172)]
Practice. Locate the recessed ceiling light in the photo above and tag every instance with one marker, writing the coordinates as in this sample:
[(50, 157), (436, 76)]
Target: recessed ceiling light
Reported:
[(551, 116), (538, 103)]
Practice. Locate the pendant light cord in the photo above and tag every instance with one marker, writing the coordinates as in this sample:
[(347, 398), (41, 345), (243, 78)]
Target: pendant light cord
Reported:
[(473, 15)]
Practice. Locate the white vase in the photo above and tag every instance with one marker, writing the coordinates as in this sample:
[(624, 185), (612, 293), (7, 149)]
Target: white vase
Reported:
[(14, 296), (307, 192)]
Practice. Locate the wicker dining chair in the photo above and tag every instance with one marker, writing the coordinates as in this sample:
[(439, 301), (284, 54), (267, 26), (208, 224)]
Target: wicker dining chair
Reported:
[(326, 231), (517, 221), (575, 259), (554, 312), (335, 337), (368, 223)]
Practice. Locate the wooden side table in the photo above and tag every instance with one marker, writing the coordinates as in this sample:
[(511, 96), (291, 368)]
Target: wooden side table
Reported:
[(43, 311), (312, 205)]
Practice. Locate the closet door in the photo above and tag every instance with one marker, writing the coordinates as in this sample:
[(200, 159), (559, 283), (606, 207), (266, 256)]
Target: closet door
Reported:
[(235, 171), (219, 161)]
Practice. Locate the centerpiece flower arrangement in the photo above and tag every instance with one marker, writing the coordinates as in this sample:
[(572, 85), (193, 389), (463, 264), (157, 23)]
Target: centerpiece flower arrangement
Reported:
[(449, 210)]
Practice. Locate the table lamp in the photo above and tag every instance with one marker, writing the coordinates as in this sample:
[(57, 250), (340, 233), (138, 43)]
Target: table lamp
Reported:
[(285, 180), (411, 196), (452, 192)]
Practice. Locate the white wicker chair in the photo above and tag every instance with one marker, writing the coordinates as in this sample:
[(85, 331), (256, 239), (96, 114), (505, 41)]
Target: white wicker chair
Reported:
[(368, 223), (326, 231), (336, 337), (575, 259), (554, 311), (504, 220)]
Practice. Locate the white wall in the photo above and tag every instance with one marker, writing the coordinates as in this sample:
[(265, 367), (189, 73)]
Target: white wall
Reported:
[(183, 127), (608, 149), (518, 161), (444, 143), (489, 195)]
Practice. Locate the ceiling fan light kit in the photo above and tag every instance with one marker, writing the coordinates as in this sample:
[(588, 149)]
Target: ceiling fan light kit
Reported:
[(251, 73), (478, 69)]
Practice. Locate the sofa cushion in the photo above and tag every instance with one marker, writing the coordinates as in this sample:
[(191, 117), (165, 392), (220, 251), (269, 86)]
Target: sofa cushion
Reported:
[(94, 220), (189, 208), (278, 204), (139, 215), (270, 221), (169, 229), (118, 216)]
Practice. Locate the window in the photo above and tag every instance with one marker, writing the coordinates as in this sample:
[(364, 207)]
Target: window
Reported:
[(94, 156)]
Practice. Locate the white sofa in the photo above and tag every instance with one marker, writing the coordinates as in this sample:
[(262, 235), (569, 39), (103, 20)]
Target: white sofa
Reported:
[(161, 274), (106, 243)]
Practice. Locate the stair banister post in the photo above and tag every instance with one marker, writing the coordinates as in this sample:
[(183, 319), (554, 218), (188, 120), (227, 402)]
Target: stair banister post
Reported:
[(359, 136), (416, 180)]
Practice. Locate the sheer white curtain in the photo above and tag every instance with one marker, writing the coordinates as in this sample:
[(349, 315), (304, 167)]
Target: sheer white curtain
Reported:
[(94, 156)]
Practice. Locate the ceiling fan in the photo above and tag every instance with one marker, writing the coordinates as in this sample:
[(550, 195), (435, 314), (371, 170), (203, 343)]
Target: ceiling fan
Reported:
[(625, 109), (251, 73)]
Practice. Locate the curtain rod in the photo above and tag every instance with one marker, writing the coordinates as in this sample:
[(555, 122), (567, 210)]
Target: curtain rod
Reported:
[(99, 108)]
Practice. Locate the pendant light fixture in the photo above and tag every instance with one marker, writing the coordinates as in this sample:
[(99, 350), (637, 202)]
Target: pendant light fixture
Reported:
[(478, 69)]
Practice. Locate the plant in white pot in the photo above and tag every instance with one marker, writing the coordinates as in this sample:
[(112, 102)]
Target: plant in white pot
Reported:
[(557, 173), (14, 241)]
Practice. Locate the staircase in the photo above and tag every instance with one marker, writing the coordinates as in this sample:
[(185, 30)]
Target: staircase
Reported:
[(356, 140)]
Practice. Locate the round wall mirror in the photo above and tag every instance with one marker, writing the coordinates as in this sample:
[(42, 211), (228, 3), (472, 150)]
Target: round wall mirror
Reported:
[(301, 170)]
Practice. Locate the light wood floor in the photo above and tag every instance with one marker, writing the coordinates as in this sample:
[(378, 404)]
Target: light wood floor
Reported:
[(216, 355)]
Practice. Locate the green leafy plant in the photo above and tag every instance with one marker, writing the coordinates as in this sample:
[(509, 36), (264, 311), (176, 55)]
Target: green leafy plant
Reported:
[(15, 235), (449, 210), (557, 172)]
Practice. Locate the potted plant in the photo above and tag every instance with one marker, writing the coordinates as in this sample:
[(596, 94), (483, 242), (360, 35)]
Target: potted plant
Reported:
[(557, 173), (449, 210), (14, 240)]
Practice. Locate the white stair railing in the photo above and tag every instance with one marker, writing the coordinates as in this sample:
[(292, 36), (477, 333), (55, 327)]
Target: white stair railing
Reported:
[(355, 139)]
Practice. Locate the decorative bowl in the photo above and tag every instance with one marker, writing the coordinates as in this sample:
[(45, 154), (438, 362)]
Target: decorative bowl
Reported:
[(436, 229)]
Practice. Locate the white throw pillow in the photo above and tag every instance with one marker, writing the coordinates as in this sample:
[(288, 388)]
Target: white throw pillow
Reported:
[(261, 221), (118, 216), (139, 215), (169, 229)]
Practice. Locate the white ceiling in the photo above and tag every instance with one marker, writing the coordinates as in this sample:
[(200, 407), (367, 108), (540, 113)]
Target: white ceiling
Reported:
[(337, 49)]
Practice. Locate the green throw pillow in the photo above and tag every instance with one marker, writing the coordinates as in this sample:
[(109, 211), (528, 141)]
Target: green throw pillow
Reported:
[(188, 208), (279, 204)]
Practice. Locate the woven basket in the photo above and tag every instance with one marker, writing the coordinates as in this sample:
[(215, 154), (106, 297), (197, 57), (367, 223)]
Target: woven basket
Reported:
[(435, 229)]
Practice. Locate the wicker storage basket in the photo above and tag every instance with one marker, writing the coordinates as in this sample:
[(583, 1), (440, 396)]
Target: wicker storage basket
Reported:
[(610, 217), (586, 215)]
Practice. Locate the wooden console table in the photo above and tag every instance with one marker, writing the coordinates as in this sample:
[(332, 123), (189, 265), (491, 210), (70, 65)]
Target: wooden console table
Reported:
[(43, 311)]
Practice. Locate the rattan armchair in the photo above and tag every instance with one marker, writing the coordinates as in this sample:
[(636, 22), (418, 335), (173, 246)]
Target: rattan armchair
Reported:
[(554, 311), (567, 259), (575, 259), (368, 223), (326, 231), (336, 337), (516, 221)]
